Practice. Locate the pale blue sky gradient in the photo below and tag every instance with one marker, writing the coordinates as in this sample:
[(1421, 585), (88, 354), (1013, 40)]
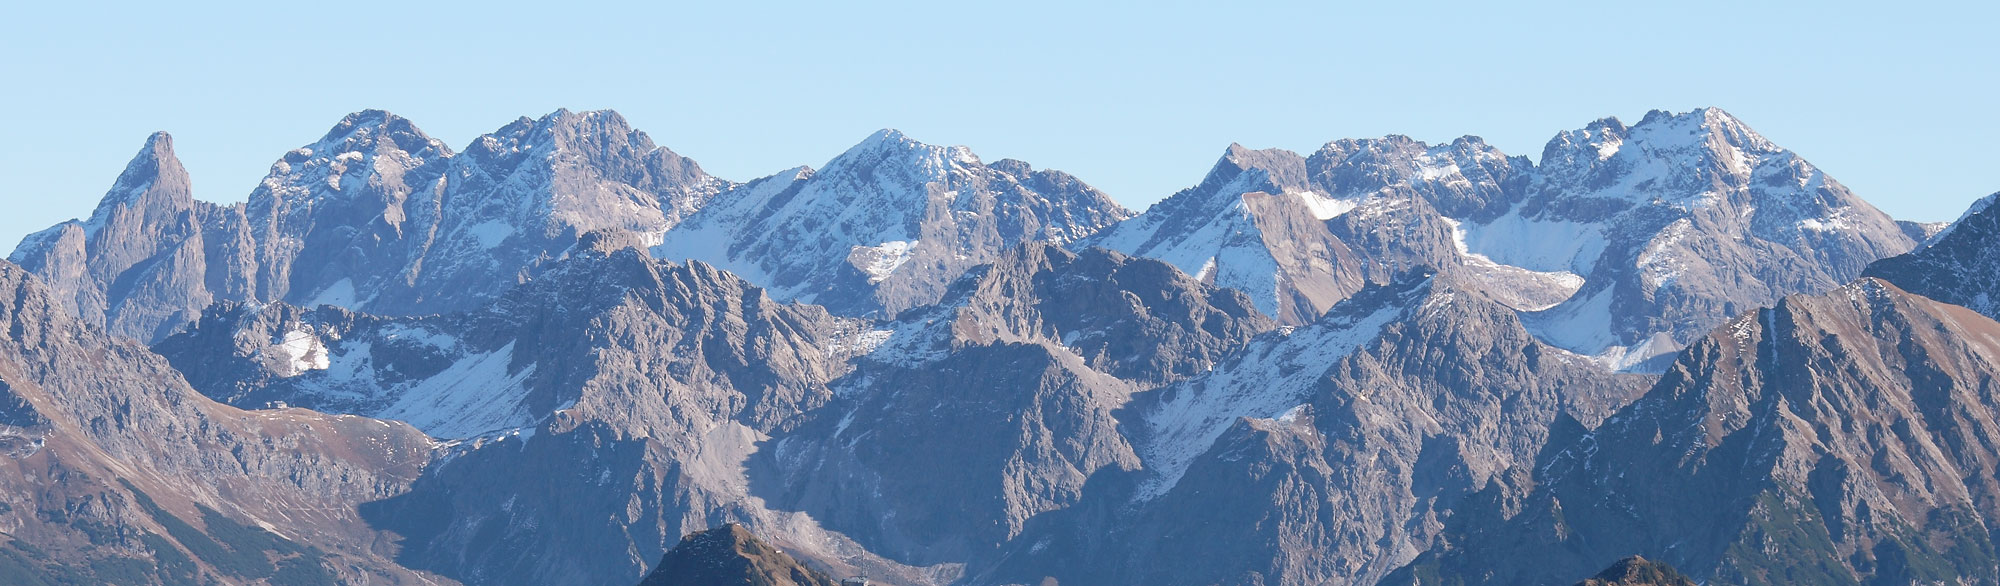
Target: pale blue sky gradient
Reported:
[(1893, 99)]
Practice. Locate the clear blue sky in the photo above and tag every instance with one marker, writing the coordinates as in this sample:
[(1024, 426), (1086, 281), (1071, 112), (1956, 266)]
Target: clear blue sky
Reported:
[(1893, 99)]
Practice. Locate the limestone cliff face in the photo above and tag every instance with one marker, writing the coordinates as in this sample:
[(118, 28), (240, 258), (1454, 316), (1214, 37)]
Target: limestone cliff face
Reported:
[(614, 387)]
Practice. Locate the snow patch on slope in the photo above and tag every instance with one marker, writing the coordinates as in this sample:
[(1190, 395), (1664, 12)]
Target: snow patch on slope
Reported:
[(298, 352), (474, 396), (490, 233), (1326, 208), (340, 293), (1536, 245), (1584, 327), (1521, 288), (883, 259), (1267, 380)]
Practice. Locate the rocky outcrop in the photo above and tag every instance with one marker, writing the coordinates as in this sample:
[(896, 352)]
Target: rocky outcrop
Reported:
[(887, 225), (730, 554), (1638, 571)]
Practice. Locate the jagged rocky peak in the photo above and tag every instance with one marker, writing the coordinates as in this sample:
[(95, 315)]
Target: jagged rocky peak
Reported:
[(1300, 233), (590, 170), (886, 225), (374, 215), (139, 265), (151, 191), (153, 185), (730, 554), (1060, 339), (1682, 160), (1638, 571), (1282, 169), (339, 220)]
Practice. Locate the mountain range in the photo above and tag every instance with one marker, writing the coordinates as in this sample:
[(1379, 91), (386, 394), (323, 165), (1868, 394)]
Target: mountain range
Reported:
[(547, 357)]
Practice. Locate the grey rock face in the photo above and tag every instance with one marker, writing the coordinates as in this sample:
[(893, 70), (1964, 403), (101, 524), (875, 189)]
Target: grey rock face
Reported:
[(1956, 265), (111, 460), (1833, 439), (887, 225), (341, 218), (1328, 454), (1384, 362), (521, 196)]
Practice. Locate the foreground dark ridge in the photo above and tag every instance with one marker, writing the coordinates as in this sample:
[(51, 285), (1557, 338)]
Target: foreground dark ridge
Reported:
[(731, 555)]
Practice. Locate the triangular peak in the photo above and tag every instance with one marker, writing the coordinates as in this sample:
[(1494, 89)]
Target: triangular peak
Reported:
[(594, 132), (1708, 127), (154, 181), (362, 130), (891, 144)]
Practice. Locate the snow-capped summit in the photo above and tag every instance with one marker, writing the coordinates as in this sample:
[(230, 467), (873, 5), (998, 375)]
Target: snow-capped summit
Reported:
[(378, 216), (343, 214), (1624, 243), (1678, 223), (886, 225), (1672, 159)]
